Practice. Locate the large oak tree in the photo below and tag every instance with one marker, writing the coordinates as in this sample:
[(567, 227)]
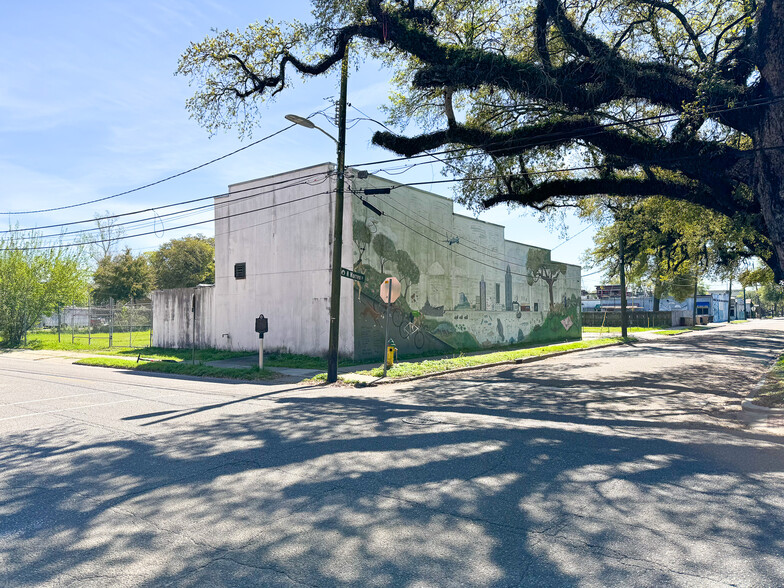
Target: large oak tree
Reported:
[(680, 98)]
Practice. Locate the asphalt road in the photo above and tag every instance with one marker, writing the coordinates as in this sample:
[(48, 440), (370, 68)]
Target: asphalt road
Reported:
[(624, 466)]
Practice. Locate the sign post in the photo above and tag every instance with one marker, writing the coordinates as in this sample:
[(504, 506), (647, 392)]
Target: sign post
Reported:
[(390, 291)]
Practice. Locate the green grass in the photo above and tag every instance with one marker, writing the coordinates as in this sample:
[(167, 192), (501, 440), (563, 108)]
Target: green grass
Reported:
[(98, 341), (180, 368), (292, 360), (99, 344), (618, 329), (772, 392), (681, 330), (433, 366)]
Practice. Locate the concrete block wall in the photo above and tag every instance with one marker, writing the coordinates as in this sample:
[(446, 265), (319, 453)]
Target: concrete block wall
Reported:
[(174, 323)]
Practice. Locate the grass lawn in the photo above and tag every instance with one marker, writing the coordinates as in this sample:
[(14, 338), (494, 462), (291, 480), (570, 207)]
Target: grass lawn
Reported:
[(772, 392), (681, 330), (433, 366), (179, 367), (99, 344), (618, 329)]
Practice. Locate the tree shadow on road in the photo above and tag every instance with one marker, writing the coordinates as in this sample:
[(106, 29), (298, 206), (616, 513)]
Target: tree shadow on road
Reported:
[(363, 491)]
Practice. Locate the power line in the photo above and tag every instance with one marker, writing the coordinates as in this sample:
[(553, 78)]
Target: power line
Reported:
[(177, 213), (155, 208), (65, 245), (166, 179), (556, 137), (539, 172)]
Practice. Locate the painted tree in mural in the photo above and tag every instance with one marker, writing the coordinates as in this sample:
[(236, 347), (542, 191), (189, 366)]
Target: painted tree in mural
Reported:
[(683, 99), (362, 237), (385, 249), (540, 267), (408, 270)]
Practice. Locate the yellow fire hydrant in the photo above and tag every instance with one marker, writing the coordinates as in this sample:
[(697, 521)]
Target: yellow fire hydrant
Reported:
[(391, 353)]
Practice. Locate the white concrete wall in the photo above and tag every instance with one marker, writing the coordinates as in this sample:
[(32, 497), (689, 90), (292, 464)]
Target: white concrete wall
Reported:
[(173, 321), (282, 228)]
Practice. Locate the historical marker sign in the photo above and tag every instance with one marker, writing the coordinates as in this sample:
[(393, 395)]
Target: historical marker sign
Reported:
[(347, 273)]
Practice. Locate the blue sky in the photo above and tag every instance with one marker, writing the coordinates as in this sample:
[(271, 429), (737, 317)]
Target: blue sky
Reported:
[(89, 107)]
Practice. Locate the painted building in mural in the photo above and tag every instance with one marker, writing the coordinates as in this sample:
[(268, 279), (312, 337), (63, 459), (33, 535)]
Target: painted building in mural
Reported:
[(463, 285)]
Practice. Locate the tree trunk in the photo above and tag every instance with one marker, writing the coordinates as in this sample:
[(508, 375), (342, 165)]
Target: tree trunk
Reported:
[(657, 290), (768, 162)]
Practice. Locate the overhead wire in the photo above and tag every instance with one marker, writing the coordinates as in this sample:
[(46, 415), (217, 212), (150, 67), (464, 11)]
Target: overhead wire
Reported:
[(155, 208), (162, 180), (233, 215), (293, 182), (432, 155), (555, 137)]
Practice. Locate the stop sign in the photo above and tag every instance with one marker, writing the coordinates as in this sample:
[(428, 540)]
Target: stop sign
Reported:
[(385, 291)]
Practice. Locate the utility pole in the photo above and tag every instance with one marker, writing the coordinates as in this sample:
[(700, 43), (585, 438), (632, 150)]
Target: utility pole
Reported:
[(729, 300), (622, 256), (337, 241), (694, 310)]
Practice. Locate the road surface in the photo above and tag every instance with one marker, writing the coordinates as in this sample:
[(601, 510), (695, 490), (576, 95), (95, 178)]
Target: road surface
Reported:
[(624, 466)]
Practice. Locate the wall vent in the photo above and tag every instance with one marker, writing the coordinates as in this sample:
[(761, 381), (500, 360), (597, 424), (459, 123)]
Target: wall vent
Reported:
[(239, 271)]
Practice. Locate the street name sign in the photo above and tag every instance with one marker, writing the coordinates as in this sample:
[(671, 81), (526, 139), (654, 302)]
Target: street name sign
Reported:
[(347, 273)]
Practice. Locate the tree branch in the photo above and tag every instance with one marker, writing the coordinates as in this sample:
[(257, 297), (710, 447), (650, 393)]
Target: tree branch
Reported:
[(693, 192), (684, 23)]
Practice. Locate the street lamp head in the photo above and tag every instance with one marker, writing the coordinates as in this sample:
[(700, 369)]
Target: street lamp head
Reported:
[(299, 120)]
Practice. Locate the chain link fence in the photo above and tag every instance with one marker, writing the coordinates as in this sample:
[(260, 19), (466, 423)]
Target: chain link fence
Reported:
[(114, 324)]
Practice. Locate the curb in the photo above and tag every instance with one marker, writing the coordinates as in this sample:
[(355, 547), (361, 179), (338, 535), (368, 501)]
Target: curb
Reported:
[(472, 368), (748, 406)]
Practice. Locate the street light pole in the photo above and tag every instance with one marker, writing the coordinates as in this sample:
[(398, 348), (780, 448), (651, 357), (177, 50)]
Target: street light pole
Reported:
[(337, 241)]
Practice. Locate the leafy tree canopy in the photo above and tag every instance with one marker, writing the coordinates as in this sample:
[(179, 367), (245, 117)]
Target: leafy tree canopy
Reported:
[(668, 244), (756, 276), (185, 262), (122, 277), (34, 281), (647, 97)]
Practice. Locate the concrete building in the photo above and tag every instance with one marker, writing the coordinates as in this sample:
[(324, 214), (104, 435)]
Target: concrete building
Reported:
[(464, 286)]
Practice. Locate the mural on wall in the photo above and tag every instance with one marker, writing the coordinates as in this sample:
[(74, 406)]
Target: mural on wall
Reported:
[(458, 296)]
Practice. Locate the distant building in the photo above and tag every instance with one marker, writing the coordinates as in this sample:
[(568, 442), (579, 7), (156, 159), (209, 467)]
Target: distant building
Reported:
[(713, 305)]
